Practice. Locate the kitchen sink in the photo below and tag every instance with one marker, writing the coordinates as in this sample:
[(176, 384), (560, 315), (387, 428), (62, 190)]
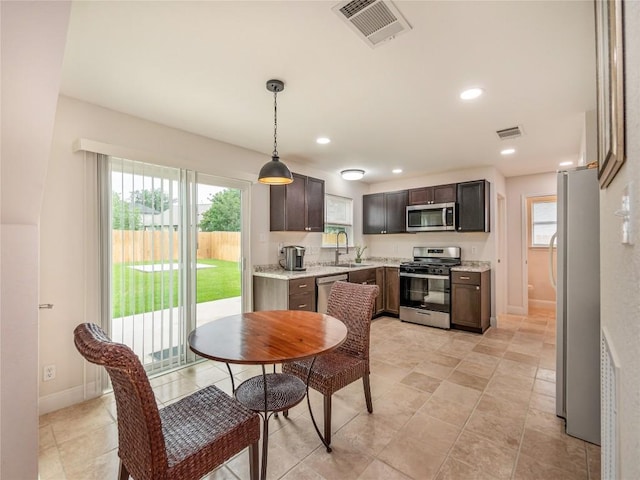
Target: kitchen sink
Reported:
[(353, 265)]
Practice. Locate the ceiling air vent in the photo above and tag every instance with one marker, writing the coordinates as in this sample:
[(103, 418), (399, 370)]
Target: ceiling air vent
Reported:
[(509, 133), (374, 21)]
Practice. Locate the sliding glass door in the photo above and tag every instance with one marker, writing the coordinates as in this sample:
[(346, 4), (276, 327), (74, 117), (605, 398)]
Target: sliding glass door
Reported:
[(172, 256), (219, 265)]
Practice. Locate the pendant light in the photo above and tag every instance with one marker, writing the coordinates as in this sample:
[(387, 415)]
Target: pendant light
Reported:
[(275, 172)]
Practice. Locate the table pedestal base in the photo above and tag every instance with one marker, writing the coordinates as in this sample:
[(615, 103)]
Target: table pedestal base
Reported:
[(268, 394)]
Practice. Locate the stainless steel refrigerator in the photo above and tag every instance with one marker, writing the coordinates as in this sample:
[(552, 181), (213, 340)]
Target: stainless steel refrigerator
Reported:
[(578, 304)]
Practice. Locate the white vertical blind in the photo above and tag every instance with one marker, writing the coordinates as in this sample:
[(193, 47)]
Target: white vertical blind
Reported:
[(146, 260), (149, 216)]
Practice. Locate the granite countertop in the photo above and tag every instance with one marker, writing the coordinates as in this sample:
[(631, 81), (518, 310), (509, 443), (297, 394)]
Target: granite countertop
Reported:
[(472, 266), (321, 270)]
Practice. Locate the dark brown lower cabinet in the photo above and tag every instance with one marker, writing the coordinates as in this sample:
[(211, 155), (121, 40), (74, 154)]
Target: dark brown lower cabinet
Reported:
[(380, 300), (369, 276), (471, 300), (392, 290)]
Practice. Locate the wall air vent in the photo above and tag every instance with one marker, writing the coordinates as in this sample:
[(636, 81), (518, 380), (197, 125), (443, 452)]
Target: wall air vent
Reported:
[(509, 133), (374, 21)]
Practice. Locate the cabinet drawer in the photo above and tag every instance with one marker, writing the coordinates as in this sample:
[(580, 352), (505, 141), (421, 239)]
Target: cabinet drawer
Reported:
[(302, 301), (470, 278), (302, 285)]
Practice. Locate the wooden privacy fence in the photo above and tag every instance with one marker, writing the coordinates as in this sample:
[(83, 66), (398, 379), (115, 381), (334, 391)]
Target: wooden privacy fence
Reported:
[(156, 245)]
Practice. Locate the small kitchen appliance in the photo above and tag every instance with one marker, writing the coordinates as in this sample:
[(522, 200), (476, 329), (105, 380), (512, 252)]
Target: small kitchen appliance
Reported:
[(433, 217), (293, 258), (425, 286)]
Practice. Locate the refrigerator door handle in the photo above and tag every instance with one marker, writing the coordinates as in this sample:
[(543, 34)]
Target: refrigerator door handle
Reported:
[(551, 275)]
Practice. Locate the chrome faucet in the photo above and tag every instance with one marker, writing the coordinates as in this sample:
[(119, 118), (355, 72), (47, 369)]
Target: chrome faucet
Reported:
[(346, 245)]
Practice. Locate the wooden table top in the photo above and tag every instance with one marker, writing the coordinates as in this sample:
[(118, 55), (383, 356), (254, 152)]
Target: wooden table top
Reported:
[(267, 337)]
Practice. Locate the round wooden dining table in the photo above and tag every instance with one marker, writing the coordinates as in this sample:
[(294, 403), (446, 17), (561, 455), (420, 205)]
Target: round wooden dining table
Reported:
[(265, 338)]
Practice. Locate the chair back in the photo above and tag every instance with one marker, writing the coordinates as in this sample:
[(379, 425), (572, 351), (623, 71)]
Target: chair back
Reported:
[(353, 303), (141, 444)]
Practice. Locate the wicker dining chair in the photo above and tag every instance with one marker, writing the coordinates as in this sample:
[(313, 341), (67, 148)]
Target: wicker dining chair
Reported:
[(184, 440), (352, 303)]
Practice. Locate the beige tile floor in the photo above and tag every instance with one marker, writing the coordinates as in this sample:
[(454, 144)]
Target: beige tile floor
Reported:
[(447, 405)]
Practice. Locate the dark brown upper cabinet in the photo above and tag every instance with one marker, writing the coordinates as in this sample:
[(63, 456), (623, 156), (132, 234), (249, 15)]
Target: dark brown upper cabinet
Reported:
[(298, 206), (473, 206), (435, 194), (384, 212)]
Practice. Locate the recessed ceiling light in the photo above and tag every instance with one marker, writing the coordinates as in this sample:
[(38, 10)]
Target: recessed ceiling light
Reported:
[(352, 174), (396, 170), (565, 164), (323, 140), (471, 93), (508, 151)]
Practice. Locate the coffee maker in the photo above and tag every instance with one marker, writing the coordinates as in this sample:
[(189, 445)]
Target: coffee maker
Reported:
[(293, 258)]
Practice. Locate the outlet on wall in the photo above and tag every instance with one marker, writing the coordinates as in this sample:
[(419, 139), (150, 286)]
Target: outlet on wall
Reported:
[(49, 373)]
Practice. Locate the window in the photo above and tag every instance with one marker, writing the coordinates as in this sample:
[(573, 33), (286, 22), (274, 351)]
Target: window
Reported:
[(338, 218), (543, 221)]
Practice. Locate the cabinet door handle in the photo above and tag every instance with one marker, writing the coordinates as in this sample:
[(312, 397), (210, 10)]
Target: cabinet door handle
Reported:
[(477, 288), (464, 278), (304, 285), (302, 306)]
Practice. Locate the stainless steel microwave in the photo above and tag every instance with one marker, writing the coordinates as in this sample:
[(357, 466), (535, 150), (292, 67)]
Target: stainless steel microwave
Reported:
[(431, 218)]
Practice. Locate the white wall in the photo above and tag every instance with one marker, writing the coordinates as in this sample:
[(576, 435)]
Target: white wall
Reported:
[(19, 351), (33, 41), (518, 188), (620, 264)]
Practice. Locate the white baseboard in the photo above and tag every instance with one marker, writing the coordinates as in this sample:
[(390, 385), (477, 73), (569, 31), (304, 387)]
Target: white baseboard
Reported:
[(516, 310), (66, 398), (544, 304)]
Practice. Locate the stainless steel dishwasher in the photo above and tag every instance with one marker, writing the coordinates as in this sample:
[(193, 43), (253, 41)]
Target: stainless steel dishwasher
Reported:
[(324, 287)]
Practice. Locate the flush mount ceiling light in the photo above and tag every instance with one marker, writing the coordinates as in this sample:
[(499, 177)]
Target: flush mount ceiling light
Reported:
[(508, 151), (471, 93), (565, 164), (352, 174), (396, 170), (323, 140), (275, 172)]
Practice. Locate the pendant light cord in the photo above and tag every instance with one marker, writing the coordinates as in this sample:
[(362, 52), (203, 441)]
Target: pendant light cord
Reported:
[(275, 124)]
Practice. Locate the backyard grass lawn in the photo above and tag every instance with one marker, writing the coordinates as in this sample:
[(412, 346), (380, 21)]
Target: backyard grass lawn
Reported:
[(138, 292)]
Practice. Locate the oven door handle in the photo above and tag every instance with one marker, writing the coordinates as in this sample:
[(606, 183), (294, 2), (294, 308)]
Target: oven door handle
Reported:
[(421, 275)]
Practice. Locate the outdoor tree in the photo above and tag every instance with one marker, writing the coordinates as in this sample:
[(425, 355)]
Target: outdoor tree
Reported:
[(156, 199), (124, 215), (224, 213)]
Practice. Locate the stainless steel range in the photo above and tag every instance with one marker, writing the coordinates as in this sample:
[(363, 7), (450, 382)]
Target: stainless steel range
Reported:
[(425, 286)]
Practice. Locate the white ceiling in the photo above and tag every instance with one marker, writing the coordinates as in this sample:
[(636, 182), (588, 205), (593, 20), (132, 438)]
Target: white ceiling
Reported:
[(202, 67)]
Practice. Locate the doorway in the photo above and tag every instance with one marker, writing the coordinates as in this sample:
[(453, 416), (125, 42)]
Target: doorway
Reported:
[(541, 225), (501, 267)]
